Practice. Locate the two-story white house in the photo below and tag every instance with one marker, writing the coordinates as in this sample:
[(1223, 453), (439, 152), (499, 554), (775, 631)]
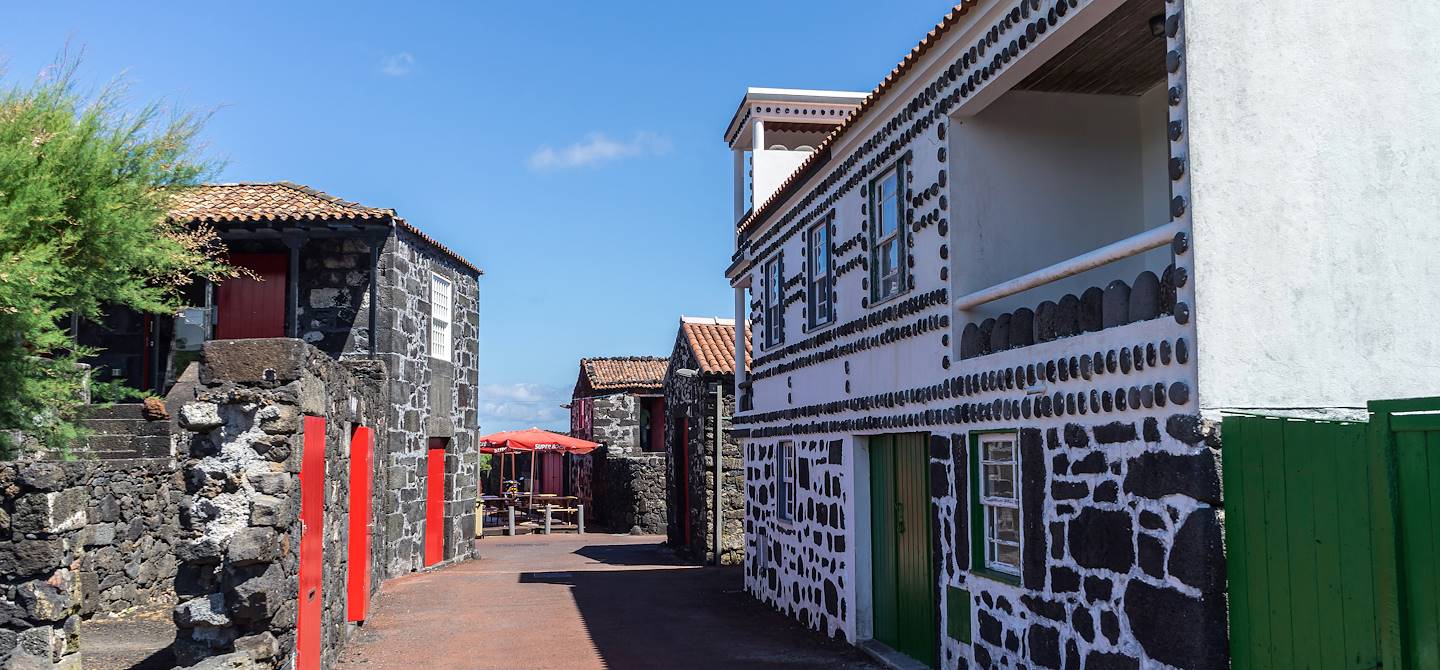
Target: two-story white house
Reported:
[(999, 301)]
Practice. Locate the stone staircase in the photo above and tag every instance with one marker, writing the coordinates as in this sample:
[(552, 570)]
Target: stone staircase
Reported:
[(121, 431)]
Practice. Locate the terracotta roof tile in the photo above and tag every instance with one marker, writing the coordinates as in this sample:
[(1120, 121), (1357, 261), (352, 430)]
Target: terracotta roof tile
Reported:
[(275, 201), (285, 201), (713, 343), (822, 152), (630, 373)]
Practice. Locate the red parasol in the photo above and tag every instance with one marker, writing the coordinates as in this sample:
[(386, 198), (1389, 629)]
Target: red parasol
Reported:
[(534, 439)]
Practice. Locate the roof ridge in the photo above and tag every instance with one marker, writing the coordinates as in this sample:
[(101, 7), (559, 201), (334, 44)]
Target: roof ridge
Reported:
[(707, 320)]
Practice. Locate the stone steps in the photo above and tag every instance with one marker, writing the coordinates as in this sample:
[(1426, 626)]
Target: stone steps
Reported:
[(121, 431)]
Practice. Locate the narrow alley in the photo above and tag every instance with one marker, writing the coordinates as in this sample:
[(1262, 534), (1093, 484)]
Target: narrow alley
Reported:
[(582, 601)]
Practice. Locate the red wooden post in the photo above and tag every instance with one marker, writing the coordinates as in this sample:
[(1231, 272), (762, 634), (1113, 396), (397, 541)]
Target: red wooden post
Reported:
[(435, 502), (358, 581), (312, 521)]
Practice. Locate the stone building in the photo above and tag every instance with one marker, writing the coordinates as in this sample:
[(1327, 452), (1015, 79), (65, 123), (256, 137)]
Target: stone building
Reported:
[(316, 256), (620, 403), (324, 439), (999, 302), (697, 424)]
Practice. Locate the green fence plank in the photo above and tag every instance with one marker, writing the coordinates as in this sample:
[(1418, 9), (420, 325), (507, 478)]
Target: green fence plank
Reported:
[(1431, 541), (1238, 569), (1300, 490), (1416, 526), (1357, 565), (1324, 440), (1277, 542), (1257, 488)]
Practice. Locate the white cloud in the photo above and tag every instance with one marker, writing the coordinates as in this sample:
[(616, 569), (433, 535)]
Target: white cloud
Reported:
[(518, 406), (597, 148), (398, 65)]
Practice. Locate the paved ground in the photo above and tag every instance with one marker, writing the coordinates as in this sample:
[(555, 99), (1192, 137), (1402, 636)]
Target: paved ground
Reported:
[(138, 641), (575, 602)]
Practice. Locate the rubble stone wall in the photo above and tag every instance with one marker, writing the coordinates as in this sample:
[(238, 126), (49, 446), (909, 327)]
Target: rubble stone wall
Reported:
[(631, 497), (429, 397), (132, 518), (240, 538), (690, 399), (79, 539)]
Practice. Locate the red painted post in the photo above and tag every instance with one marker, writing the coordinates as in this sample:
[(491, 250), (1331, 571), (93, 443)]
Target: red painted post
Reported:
[(357, 582), (435, 502), (312, 520)]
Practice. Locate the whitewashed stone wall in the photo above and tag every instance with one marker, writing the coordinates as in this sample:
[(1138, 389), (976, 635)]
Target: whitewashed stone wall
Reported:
[(1122, 566)]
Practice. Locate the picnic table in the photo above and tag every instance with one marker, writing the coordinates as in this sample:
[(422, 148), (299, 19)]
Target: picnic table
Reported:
[(537, 508)]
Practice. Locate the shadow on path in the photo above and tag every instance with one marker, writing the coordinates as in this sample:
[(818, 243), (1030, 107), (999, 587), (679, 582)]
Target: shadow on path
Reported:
[(583, 602)]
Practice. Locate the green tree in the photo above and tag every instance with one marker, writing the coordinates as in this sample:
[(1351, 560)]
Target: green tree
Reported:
[(84, 187)]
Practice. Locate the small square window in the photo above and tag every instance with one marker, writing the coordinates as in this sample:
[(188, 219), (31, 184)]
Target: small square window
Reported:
[(887, 235), (785, 480), (820, 275), (998, 501), (774, 302), (441, 293)]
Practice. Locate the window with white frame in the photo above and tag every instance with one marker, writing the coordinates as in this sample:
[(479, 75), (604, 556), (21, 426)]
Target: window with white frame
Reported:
[(785, 480), (774, 302), (999, 501), (817, 239), (887, 236), (441, 292)]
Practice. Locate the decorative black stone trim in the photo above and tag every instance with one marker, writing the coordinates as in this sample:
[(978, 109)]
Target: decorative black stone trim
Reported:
[(1118, 304), (893, 312)]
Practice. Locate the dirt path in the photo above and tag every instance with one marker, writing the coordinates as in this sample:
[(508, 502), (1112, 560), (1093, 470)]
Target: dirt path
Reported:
[(575, 602), (139, 640)]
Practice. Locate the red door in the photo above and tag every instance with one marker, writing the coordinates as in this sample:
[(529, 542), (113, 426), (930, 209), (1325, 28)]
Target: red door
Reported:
[(249, 308), (312, 523), (435, 502), (358, 580), (552, 466)]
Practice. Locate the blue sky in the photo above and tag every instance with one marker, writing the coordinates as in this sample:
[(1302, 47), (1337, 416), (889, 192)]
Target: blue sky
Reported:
[(571, 149)]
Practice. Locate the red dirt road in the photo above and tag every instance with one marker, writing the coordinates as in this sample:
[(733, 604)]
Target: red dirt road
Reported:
[(574, 602)]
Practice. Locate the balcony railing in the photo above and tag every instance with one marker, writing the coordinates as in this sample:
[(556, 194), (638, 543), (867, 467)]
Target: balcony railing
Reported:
[(1118, 303), (1130, 246)]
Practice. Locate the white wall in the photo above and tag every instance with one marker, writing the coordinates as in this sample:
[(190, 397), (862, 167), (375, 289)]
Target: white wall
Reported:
[(1315, 172), (1042, 177), (771, 168)]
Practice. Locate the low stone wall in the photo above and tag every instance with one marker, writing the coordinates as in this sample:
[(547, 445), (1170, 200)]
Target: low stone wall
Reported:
[(40, 554), (77, 539), (133, 512), (239, 561), (630, 491)]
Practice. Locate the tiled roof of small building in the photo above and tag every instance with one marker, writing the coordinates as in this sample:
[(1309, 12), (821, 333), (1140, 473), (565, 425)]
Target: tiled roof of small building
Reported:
[(713, 343), (268, 202), (638, 373)]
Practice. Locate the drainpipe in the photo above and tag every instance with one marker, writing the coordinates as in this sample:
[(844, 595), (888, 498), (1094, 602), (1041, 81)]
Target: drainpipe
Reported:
[(719, 469)]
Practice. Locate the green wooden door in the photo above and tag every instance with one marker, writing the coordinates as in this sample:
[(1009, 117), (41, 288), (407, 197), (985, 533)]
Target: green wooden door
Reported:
[(883, 544), (903, 561), (1300, 562), (1407, 438)]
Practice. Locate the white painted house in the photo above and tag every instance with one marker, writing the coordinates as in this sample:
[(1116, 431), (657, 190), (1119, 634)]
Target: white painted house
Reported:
[(998, 301)]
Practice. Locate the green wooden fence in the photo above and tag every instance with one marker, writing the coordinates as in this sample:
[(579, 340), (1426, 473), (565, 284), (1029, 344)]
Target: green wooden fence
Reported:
[(1405, 438), (1332, 542), (1301, 569)]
